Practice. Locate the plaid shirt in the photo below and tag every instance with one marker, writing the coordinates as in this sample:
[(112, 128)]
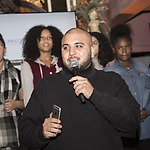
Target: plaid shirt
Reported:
[(9, 87)]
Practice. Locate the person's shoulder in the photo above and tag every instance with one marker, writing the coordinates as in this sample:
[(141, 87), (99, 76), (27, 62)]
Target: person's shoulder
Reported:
[(140, 64), (31, 62), (108, 68), (109, 77), (107, 74), (12, 67), (141, 67), (111, 67)]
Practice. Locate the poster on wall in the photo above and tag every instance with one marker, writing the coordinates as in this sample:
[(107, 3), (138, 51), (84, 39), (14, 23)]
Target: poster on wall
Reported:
[(14, 27)]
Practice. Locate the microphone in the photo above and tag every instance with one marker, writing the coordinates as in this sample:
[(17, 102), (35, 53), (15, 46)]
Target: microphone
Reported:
[(74, 65)]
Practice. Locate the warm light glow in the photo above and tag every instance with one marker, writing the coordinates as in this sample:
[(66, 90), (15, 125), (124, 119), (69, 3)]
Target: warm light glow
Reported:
[(36, 2)]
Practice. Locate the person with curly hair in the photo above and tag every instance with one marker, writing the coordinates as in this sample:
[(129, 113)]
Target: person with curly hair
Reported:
[(11, 101), (102, 50), (137, 77), (42, 54), (108, 111)]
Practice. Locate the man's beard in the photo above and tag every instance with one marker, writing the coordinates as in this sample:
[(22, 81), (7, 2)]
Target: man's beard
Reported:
[(82, 66), (85, 65)]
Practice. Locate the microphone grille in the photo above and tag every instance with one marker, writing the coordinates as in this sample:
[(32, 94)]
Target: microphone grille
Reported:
[(73, 63)]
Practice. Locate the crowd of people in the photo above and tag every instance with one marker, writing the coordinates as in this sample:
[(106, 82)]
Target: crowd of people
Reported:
[(116, 90)]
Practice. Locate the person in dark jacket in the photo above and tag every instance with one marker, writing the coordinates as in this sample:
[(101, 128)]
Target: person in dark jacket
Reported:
[(109, 109)]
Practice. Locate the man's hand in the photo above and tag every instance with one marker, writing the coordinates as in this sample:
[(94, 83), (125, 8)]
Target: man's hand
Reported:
[(82, 85), (10, 105), (144, 114), (51, 127)]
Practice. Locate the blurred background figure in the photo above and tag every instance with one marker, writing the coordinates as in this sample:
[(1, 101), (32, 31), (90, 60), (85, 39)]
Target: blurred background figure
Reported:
[(11, 101), (102, 50), (137, 77), (94, 22), (42, 54)]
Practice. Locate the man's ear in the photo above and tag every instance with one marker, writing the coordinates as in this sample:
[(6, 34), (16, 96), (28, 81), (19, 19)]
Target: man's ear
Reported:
[(5, 49)]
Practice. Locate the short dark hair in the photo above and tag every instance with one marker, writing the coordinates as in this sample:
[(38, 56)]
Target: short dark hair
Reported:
[(105, 53), (2, 40), (30, 46), (120, 31)]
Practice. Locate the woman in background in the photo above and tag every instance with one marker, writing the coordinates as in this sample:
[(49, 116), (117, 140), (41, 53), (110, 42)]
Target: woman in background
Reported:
[(42, 54), (102, 50), (137, 77)]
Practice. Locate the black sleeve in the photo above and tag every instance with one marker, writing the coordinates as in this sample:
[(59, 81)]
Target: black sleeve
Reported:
[(30, 124), (118, 105)]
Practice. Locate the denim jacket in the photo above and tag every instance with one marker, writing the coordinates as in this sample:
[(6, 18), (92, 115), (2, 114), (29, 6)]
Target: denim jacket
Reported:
[(137, 78)]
